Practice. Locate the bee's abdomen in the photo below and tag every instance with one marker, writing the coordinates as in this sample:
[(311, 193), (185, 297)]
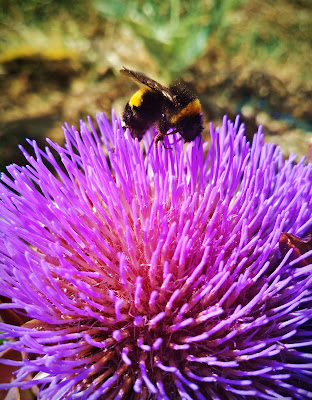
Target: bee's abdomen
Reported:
[(142, 111)]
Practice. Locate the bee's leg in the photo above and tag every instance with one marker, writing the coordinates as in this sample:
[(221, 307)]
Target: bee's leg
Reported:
[(162, 128), (167, 148), (159, 138), (170, 133)]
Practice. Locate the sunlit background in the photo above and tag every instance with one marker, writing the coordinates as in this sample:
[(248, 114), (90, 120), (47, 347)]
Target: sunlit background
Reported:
[(60, 61)]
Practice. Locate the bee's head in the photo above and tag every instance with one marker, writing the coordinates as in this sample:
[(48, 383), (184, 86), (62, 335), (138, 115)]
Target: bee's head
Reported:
[(190, 127)]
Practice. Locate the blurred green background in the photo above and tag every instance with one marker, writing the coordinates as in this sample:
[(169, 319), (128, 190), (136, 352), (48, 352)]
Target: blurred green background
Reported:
[(60, 61)]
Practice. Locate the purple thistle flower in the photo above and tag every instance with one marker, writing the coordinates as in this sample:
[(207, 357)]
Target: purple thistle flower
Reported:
[(158, 276)]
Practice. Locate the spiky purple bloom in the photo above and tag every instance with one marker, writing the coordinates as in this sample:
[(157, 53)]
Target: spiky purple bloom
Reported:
[(158, 276)]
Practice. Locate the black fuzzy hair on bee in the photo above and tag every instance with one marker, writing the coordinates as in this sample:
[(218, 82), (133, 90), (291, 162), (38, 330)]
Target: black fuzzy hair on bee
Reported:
[(174, 109)]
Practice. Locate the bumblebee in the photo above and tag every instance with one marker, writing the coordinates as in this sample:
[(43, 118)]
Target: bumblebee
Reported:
[(175, 108)]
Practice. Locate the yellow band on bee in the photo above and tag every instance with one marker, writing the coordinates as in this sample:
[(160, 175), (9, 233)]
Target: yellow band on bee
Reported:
[(136, 99), (192, 108)]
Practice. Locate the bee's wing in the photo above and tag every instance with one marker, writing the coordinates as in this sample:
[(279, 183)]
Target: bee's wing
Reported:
[(142, 78)]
